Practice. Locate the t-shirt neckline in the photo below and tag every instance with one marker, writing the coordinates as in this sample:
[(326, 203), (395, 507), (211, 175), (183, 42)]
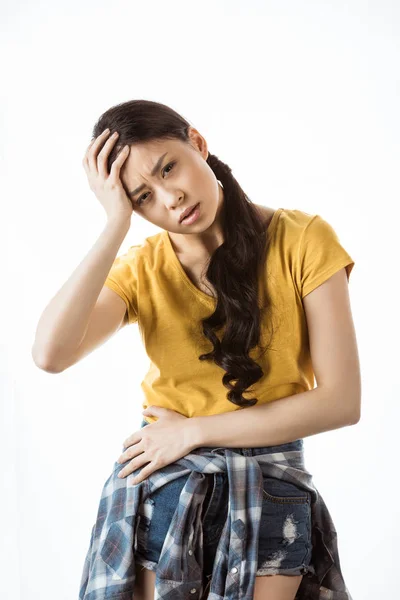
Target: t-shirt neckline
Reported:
[(209, 300)]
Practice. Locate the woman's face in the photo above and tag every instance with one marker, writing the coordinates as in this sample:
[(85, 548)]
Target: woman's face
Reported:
[(182, 179)]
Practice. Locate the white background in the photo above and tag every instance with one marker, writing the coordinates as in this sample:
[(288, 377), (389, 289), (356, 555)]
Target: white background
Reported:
[(302, 100)]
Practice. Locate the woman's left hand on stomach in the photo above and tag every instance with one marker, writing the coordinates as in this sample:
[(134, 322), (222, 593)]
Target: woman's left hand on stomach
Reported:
[(160, 443)]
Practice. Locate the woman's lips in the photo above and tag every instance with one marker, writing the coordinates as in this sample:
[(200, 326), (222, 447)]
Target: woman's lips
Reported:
[(193, 216), (187, 212)]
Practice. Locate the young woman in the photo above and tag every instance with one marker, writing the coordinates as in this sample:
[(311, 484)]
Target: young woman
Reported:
[(239, 305)]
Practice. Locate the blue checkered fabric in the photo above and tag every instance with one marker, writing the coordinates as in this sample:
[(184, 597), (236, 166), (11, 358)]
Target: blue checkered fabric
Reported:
[(109, 569)]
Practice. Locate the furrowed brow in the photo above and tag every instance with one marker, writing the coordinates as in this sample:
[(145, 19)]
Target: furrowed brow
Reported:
[(153, 172)]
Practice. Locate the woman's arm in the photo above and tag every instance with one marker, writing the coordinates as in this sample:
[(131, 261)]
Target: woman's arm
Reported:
[(65, 320), (334, 403)]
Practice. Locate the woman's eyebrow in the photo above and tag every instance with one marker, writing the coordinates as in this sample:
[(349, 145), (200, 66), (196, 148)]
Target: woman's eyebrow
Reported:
[(153, 172)]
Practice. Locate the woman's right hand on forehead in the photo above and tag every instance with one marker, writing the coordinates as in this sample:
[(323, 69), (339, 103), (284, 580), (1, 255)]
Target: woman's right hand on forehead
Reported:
[(107, 187)]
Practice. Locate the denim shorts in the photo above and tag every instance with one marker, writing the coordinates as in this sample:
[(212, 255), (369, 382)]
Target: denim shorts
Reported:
[(285, 545)]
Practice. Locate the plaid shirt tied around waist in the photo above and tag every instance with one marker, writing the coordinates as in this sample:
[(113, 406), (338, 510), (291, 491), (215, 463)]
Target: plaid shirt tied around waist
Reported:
[(109, 569)]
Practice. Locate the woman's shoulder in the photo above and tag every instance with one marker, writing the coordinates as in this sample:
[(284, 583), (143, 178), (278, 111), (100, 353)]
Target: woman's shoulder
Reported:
[(291, 221), (296, 218)]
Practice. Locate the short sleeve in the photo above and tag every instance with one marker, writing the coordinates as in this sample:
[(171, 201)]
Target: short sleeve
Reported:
[(122, 279), (320, 255)]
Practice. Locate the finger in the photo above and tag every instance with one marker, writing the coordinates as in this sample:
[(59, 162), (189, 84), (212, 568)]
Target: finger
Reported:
[(85, 157), (144, 474), (131, 467), (90, 145), (134, 438), (103, 155), (93, 150), (122, 459), (119, 161), (88, 148), (130, 441), (125, 471), (131, 452)]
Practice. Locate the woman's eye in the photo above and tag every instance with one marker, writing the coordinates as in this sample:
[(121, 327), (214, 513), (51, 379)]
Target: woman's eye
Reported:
[(170, 165), (139, 202)]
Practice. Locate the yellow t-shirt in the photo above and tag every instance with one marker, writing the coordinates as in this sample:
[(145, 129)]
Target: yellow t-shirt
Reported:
[(303, 253)]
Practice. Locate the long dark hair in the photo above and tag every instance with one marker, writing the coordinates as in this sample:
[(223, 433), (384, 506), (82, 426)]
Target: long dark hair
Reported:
[(235, 266)]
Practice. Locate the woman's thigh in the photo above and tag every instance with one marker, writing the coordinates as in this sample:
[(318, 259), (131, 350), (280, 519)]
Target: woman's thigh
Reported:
[(145, 583), (276, 587)]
